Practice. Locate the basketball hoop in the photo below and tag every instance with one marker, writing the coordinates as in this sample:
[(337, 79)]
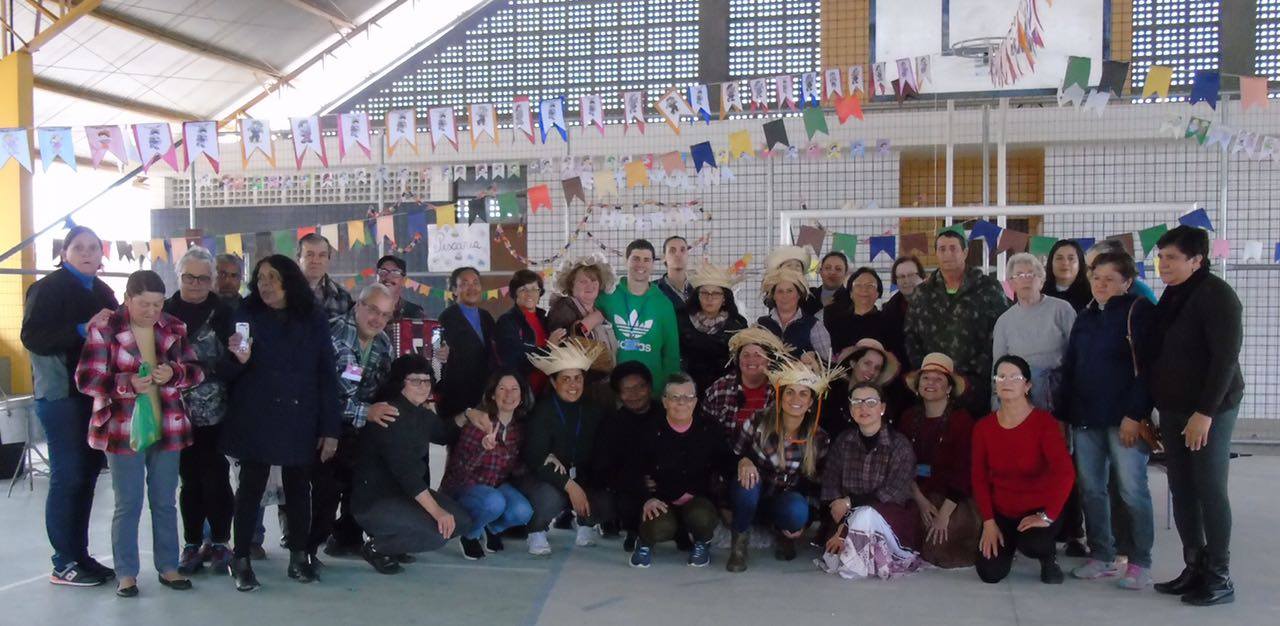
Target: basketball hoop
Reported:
[(980, 49)]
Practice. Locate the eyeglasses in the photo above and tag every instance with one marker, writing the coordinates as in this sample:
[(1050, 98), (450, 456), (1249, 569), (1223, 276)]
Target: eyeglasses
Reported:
[(1023, 275), (706, 293), (192, 279), (870, 403), (530, 288), (1013, 378), (228, 275), (682, 399), (417, 381), (380, 314), (390, 271)]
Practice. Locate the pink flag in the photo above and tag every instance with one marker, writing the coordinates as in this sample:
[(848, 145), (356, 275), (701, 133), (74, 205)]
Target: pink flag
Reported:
[(1253, 92), (104, 139), (155, 143)]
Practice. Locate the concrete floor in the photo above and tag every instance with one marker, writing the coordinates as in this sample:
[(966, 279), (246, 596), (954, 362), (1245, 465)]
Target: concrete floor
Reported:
[(594, 586)]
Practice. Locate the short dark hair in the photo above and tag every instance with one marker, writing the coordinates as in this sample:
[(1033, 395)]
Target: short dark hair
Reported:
[(866, 384), (837, 254), (964, 244), (640, 244), (299, 300), (670, 239), (393, 384), (906, 258), (75, 232), (524, 277), (397, 261), (679, 378), (1017, 361), (314, 238), (629, 368), (143, 281), (1189, 240), (848, 284), (457, 273), (1119, 260)]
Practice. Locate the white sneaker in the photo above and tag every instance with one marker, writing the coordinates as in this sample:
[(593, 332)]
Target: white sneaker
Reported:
[(538, 544), (585, 538)]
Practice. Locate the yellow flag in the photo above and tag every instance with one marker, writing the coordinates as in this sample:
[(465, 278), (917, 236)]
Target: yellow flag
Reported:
[(637, 174), (157, 251), (355, 233), (447, 215), (606, 184), (234, 244), (740, 144), (1157, 83)]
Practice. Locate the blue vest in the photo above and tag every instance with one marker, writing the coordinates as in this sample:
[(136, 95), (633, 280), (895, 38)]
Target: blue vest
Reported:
[(797, 334)]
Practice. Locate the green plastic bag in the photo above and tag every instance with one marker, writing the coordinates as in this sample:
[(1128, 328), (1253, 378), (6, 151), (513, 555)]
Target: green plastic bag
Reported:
[(144, 428)]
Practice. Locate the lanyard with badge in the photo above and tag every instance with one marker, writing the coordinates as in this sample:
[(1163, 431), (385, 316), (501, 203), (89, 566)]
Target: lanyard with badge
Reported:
[(355, 372), (573, 470), (630, 344)]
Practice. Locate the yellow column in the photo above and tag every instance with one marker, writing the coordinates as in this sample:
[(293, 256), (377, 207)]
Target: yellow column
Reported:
[(15, 217)]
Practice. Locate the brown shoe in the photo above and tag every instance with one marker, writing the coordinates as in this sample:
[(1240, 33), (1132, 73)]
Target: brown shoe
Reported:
[(738, 553)]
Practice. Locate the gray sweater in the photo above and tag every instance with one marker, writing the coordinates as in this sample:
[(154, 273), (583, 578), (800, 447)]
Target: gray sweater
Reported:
[(1037, 333)]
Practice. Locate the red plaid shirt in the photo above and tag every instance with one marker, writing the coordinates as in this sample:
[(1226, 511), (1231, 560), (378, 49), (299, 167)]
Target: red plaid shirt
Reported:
[(723, 399), (470, 464), (110, 359), (779, 472)]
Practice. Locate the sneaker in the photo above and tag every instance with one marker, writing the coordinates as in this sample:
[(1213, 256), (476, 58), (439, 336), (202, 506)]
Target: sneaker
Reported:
[(642, 557), (700, 554), (76, 575), (538, 544), (219, 557), (190, 561), (1094, 569), (1136, 578), (92, 565), (586, 537), (492, 542), (471, 549)]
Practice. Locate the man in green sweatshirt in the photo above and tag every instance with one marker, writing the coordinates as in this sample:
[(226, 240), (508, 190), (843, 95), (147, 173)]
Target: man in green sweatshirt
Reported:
[(642, 317)]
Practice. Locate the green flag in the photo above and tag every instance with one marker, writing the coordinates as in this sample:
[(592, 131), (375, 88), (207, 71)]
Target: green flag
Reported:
[(1040, 246), (508, 205), (1077, 73), (286, 242), (815, 121), (1150, 236), (848, 244)]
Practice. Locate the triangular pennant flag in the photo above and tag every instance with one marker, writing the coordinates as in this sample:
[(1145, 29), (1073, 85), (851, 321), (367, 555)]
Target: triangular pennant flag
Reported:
[(306, 138), (882, 244), (759, 94), (573, 190), (812, 237), (539, 197), (155, 143), (551, 116), (591, 110), (785, 91), (637, 174), (201, 138), (730, 99), (286, 242), (55, 143), (1253, 92), (483, 121), (880, 76), (1149, 237), (857, 81), (1012, 241), (913, 243), (234, 244), (1198, 218), (385, 229), (983, 229), (1125, 240), (443, 127), (1041, 246), (1206, 87), (255, 136), (1086, 243), (1097, 102), (833, 85), (416, 224), (508, 204), (672, 107), (849, 106), (356, 233), (104, 139), (522, 117), (702, 154), (353, 132), (605, 184), (846, 243), (1077, 73), (15, 143), (157, 251), (1157, 83), (924, 71), (700, 102), (810, 90), (1114, 75), (775, 132), (446, 215), (633, 110), (402, 126), (815, 121), (740, 144)]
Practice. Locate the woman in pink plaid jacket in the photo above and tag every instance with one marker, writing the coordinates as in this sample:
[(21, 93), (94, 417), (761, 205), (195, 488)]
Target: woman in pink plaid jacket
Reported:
[(114, 352)]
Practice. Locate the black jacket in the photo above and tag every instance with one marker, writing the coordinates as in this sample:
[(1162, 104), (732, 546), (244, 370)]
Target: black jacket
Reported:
[(1099, 387), (680, 463), (813, 303), (705, 356), (615, 465), (1194, 364), (471, 360), (55, 306), (515, 340), (567, 430), (392, 462)]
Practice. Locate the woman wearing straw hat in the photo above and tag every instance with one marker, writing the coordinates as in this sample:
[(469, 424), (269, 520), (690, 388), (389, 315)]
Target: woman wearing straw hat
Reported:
[(578, 283), (941, 435), (779, 449), (707, 323), (867, 362), (783, 290)]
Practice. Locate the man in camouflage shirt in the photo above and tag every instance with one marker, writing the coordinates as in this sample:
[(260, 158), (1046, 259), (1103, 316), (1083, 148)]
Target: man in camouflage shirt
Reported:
[(954, 312)]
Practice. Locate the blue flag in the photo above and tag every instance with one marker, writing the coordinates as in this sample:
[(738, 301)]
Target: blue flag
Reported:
[(983, 229), (884, 243), (702, 155), (1198, 218), (1205, 87)]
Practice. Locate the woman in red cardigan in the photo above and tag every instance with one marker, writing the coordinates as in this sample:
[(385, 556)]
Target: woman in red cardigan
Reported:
[(140, 334), (1021, 477)]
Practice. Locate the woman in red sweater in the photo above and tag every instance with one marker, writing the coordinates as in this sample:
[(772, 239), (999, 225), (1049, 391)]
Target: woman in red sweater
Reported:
[(1021, 477)]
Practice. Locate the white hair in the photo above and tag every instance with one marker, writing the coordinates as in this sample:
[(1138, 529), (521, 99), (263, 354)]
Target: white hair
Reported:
[(375, 288), (1025, 258), (197, 254)]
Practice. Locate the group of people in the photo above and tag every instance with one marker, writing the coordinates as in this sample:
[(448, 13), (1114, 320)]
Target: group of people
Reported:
[(944, 427)]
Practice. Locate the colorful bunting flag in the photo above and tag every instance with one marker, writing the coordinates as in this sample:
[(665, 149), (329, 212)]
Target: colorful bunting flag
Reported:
[(811, 237), (833, 85), (384, 229), (539, 197), (810, 90), (759, 94), (1012, 241), (815, 121), (591, 110), (233, 244), (55, 143), (443, 127), (846, 243), (1041, 246), (446, 215), (353, 132), (572, 188), (775, 133), (1114, 75), (1157, 83), (508, 204), (157, 251), (286, 242), (551, 116), (857, 81), (255, 137), (730, 99), (402, 126), (484, 121), (306, 137), (1078, 69), (1198, 218), (201, 138), (700, 102), (1253, 92), (1205, 87), (633, 110), (522, 116), (606, 184), (637, 174), (672, 107), (702, 154), (882, 244), (155, 143), (356, 234), (104, 139), (984, 229), (1221, 249), (913, 243), (785, 91), (740, 144)]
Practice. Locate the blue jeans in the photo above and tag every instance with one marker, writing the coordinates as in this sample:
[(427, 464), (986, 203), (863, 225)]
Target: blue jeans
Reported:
[(787, 511), (73, 474), (1097, 451), (154, 472), (497, 508)]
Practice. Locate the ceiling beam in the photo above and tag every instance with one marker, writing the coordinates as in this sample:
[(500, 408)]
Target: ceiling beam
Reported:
[(181, 42), (111, 100), (330, 13), (60, 24)]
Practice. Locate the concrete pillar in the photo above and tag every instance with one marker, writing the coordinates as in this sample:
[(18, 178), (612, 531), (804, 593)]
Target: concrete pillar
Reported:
[(15, 219)]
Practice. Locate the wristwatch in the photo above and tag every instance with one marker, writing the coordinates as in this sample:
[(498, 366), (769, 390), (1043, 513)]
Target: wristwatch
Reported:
[(1043, 517)]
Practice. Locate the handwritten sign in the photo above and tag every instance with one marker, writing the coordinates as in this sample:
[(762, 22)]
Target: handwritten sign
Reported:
[(451, 247)]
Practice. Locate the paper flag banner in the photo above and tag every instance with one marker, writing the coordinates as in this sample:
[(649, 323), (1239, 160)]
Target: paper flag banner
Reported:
[(591, 110), (880, 76), (306, 137), (903, 91), (255, 137), (957, 228), (785, 91), (913, 243), (1175, 127), (810, 90), (633, 110), (606, 184), (178, 247), (672, 162), (882, 244), (572, 188), (200, 138), (500, 170), (833, 84), (155, 143), (815, 121), (446, 215), (1087, 242), (672, 107), (1114, 75), (1252, 251), (1221, 136), (907, 73), (551, 116), (1198, 129), (539, 197), (1276, 258), (1248, 143), (55, 143), (286, 242), (157, 251), (700, 102), (1253, 92), (330, 233), (124, 250), (416, 225), (1012, 241), (522, 116), (1142, 268), (477, 209), (1125, 240), (983, 229), (857, 81), (385, 229), (1198, 218), (1157, 83), (637, 174), (1040, 246), (842, 242), (484, 121), (234, 244), (508, 204), (882, 147), (104, 139), (775, 133), (759, 94), (306, 230), (356, 233), (1077, 73), (1149, 237), (812, 237), (402, 126), (443, 127), (353, 132), (1073, 94), (924, 71), (459, 172), (857, 149), (730, 99), (1270, 146), (740, 144), (212, 244), (1205, 88), (263, 244), (1221, 249), (702, 154)]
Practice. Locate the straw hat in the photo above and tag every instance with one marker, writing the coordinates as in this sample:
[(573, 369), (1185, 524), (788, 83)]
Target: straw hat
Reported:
[(938, 362), (788, 371), (783, 275), (710, 275), (568, 270), (891, 363), (781, 254), (758, 336), (573, 354)]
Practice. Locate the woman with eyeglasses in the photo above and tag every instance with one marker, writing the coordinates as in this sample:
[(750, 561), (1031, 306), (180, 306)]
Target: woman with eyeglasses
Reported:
[(206, 496), (523, 330), (867, 483), (1035, 327), (706, 324), (1022, 475)]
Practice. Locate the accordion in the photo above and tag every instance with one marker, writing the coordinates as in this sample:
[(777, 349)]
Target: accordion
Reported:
[(413, 336)]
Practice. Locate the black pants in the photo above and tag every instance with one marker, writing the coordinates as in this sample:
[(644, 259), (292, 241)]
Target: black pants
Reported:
[(630, 508), (1036, 543), (330, 489), (698, 515), (253, 483), (1198, 482), (401, 526), (548, 501), (206, 488)]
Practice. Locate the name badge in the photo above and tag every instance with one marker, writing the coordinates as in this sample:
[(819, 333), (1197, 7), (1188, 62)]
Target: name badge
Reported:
[(353, 373), (924, 470), (573, 473), (629, 344)]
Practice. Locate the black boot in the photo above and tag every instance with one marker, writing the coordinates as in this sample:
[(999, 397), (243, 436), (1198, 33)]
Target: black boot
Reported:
[(1215, 587), (1189, 580), (242, 573), (383, 563), (1050, 573), (300, 567)]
